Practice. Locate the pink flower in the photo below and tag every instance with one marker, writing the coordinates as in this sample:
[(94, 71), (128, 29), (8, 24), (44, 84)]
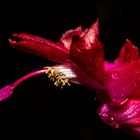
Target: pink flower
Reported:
[(73, 50), (81, 58)]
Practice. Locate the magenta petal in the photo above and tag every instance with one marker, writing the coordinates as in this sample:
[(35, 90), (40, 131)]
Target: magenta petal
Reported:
[(122, 80), (128, 53), (103, 112), (130, 110), (133, 121), (126, 116), (43, 50)]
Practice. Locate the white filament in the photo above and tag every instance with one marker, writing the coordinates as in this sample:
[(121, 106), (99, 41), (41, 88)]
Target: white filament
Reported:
[(67, 71)]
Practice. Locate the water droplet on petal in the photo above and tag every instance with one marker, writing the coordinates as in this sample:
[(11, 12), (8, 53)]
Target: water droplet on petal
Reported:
[(115, 75), (111, 119)]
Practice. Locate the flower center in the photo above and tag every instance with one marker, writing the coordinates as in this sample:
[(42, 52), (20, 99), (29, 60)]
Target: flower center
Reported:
[(59, 79)]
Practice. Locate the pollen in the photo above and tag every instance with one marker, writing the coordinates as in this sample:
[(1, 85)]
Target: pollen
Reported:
[(59, 79)]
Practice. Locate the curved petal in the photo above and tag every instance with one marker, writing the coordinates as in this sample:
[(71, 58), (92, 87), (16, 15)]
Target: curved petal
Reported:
[(91, 35), (43, 50), (85, 79), (37, 39), (133, 121), (130, 110), (128, 53), (122, 80), (127, 115), (90, 60), (66, 38)]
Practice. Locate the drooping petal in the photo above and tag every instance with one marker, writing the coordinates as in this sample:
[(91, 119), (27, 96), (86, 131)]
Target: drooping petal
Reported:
[(43, 50), (128, 53)]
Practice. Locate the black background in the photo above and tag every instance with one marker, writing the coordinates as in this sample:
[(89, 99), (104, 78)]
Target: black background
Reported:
[(37, 108)]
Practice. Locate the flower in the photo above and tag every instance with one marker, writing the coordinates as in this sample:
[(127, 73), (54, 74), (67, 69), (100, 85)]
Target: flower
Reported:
[(72, 51), (80, 55)]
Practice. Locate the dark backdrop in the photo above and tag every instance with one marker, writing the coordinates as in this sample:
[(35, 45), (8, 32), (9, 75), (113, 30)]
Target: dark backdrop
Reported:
[(37, 108)]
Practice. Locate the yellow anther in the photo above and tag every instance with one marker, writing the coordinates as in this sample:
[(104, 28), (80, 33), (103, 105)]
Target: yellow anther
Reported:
[(59, 79)]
